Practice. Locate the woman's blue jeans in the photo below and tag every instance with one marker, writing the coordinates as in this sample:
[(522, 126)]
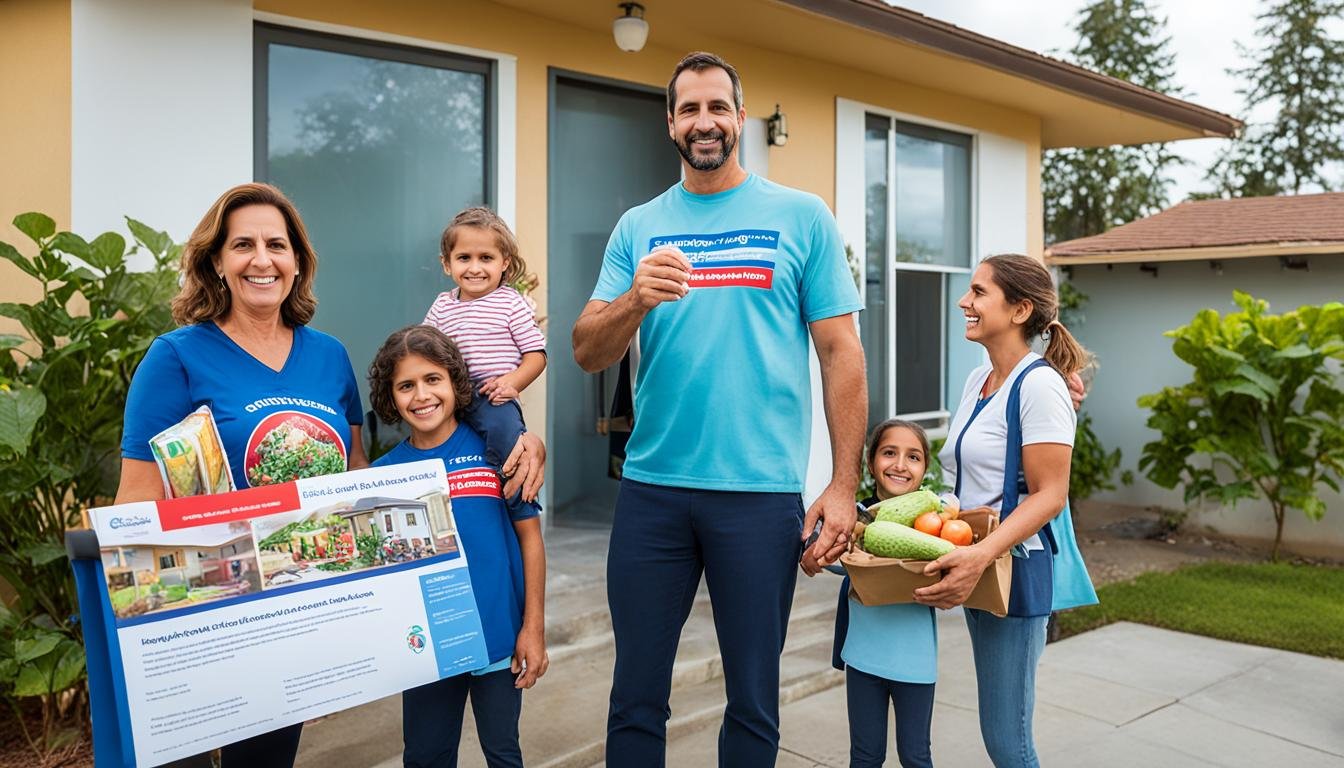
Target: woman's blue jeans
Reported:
[(1006, 652)]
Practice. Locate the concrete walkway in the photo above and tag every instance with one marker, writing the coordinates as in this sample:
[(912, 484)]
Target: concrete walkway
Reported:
[(1123, 695)]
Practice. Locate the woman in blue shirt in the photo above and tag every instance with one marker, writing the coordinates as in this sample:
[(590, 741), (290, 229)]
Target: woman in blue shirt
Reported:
[(276, 387), (273, 384)]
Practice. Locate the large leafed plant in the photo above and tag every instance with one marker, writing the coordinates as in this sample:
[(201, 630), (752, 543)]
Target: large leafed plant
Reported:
[(63, 384), (1263, 416)]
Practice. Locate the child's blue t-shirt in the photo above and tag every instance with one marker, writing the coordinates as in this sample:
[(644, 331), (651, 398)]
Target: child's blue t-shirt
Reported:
[(276, 426), (723, 393), (494, 560), (894, 642)]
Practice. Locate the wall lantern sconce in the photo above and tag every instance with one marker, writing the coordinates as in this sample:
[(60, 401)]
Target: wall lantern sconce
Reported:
[(630, 30), (777, 128)]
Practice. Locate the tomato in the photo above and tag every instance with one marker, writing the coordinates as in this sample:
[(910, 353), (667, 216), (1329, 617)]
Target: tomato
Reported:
[(929, 523), (958, 532)]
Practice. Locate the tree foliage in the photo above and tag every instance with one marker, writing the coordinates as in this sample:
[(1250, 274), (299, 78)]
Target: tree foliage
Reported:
[(1300, 71), (1263, 416), (1089, 190)]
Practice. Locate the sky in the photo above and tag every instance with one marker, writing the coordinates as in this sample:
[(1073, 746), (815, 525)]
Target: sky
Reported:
[(1204, 34)]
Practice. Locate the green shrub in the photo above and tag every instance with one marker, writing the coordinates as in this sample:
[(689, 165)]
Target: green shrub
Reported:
[(63, 385), (38, 660), (1264, 414)]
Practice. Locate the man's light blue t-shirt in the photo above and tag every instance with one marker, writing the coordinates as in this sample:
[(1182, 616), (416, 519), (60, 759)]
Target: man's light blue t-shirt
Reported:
[(723, 395)]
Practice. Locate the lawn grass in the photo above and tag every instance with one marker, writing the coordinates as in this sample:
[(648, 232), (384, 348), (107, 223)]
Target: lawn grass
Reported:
[(1277, 605)]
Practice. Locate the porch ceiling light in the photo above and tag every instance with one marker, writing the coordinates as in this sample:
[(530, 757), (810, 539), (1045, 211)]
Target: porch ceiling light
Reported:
[(630, 30)]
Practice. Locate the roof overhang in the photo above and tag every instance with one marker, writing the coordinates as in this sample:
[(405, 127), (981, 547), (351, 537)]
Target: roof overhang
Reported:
[(1076, 107), (1214, 253)]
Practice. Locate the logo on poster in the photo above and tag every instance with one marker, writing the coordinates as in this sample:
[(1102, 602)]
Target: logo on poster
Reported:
[(127, 522), (415, 638)]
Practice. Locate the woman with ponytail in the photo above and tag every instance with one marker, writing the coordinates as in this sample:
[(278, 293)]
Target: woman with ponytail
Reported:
[(1009, 446)]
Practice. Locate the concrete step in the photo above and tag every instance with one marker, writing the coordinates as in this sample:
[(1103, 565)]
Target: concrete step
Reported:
[(697, 684), (564, 716), (804, 670)]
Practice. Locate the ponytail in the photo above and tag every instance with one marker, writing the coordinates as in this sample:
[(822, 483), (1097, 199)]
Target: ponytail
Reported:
[(1063, 351)]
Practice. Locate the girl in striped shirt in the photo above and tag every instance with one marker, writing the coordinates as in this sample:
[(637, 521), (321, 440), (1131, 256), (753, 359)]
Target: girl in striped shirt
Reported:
[(493, 325)]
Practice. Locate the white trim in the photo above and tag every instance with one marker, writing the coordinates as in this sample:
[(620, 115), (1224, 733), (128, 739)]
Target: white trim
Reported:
[(914, 266), (922, 415), (160, 111), (889, 254), (917, 119), (505, 161), (295, 22)]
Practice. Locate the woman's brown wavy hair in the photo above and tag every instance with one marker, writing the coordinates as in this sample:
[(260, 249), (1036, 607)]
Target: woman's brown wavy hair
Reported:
[(427, 342), (203, 295)]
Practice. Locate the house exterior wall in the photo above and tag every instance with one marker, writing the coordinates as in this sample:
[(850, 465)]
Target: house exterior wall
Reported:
[(35, 134), (161, 123), (158, 115), (1126, 315)]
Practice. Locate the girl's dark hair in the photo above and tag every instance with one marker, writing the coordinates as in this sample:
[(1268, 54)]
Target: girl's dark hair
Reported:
[(1022, 278), (427, 342), (875, 437), (481, 217), (203, 295)]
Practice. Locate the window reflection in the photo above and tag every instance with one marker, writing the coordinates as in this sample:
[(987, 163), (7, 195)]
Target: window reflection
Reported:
[(926, 209), (378, 146), (933, 196)]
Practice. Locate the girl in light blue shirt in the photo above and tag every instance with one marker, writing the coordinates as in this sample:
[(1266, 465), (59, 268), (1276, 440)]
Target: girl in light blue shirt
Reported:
[(889, 652)]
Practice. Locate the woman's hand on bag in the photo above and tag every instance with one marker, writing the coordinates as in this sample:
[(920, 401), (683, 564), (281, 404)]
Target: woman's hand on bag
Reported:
[(961, 569)]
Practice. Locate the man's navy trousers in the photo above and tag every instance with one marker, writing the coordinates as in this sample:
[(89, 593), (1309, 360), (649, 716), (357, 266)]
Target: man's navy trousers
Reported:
[(747, 546)]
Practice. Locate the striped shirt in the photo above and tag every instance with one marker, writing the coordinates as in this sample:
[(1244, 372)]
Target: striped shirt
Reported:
[(492, 332)]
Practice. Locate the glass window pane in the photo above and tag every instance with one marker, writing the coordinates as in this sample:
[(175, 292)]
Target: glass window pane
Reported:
[(873, 320), (378, 155), (919, 341), (933, 196), (962, 356)]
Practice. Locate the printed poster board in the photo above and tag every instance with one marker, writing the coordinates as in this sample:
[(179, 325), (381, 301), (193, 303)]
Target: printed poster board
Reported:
[(230, 615)]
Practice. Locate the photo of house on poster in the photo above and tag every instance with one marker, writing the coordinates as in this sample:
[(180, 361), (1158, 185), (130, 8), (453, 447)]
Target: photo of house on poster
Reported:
[(237, 613)]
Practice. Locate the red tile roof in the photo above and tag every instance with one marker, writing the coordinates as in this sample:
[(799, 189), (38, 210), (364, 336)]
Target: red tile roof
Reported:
[(1247, 221)]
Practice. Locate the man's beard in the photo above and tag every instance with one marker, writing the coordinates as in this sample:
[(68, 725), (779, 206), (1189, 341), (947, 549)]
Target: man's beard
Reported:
[(702, 163)]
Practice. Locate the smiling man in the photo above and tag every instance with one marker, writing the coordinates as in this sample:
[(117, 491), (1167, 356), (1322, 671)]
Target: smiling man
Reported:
[(725, 276)]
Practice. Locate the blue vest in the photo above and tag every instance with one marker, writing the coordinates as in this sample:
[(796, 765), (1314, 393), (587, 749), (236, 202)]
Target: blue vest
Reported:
[(1032, 588)]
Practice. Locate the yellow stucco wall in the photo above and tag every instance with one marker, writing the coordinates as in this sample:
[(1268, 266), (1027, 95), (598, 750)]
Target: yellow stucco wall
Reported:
[(35, 133)]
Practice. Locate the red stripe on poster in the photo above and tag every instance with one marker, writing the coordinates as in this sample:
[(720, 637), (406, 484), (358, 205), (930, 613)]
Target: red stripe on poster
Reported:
[(474, 482), (191, 511), (724, 277)]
